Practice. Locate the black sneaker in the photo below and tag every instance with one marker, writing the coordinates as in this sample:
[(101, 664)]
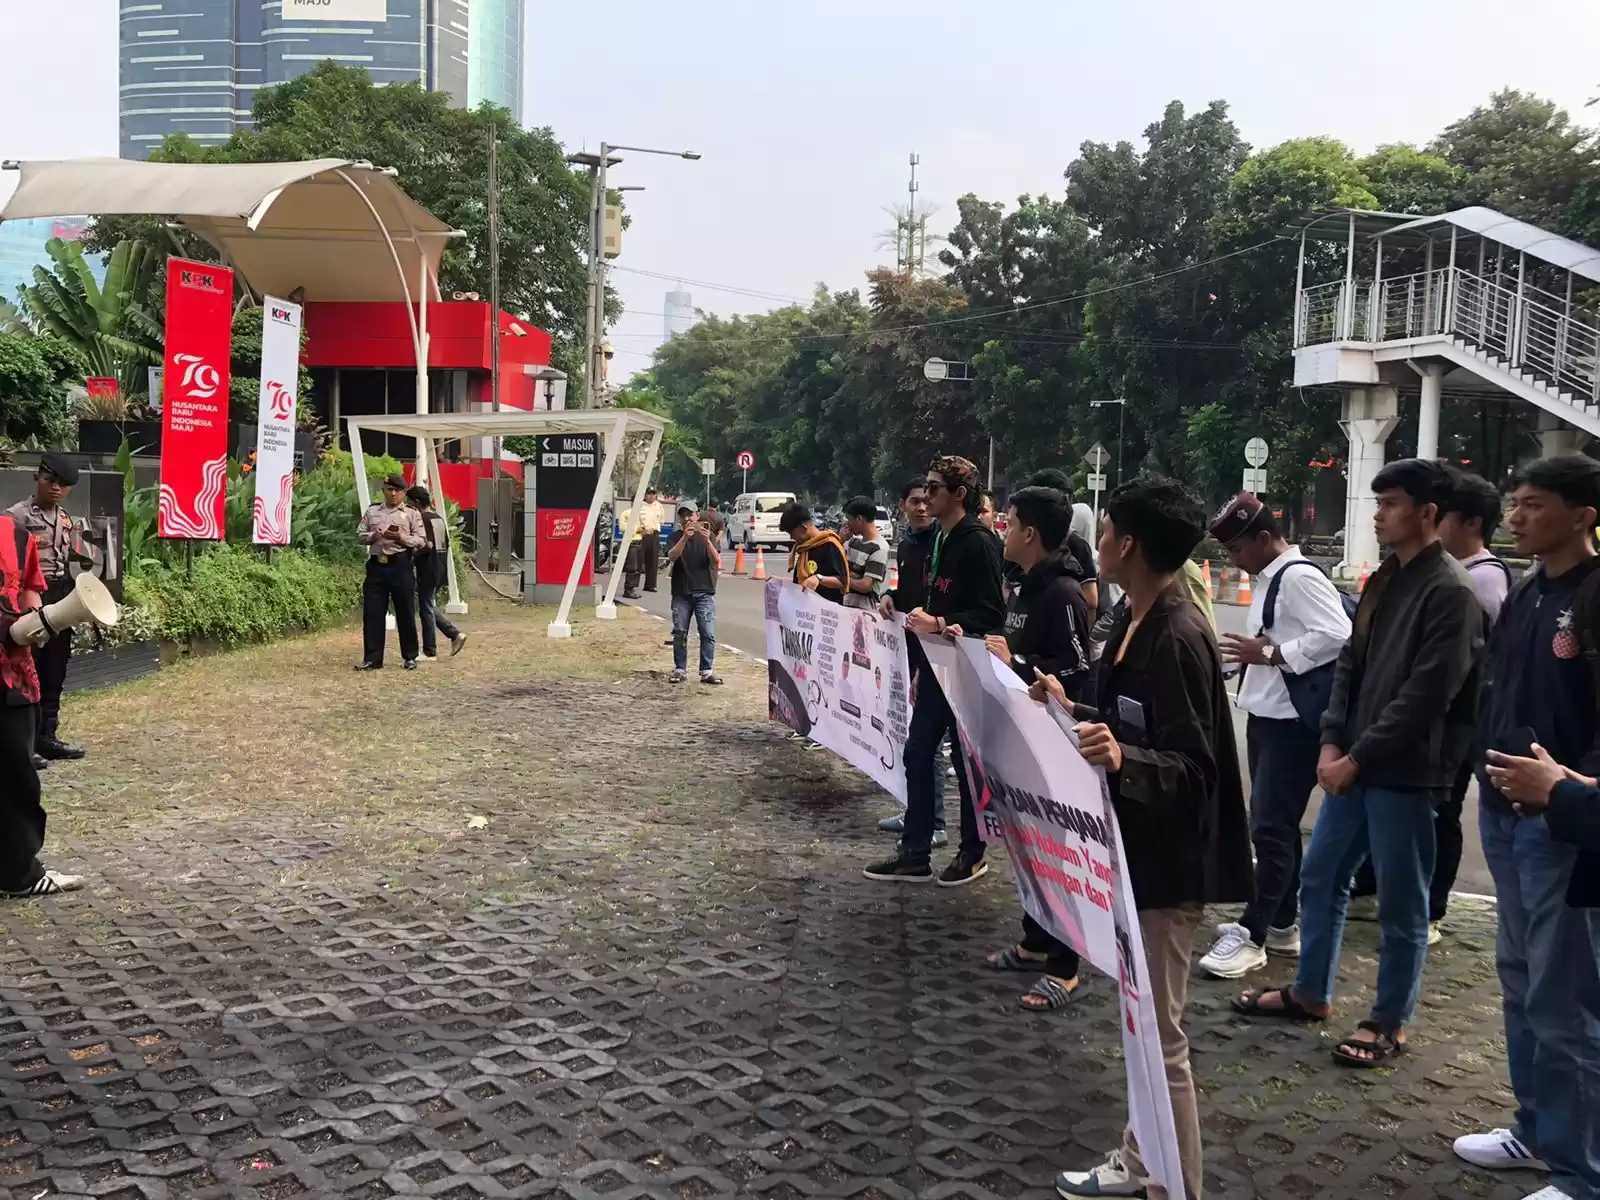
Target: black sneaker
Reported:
[(411, 664), (898, 870), (960, 872)]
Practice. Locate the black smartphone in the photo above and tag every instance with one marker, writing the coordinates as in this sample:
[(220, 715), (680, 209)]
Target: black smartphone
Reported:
[(1517, 742)]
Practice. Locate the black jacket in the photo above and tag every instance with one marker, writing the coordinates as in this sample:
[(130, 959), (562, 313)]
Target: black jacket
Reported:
[(431, 565), (1574, 817), (1178, 798), (911, 560), (1405, 689), (1047, 627), (965, 590)]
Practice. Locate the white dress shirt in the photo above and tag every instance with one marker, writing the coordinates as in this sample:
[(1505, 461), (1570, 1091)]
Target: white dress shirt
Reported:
[(1309, 627)]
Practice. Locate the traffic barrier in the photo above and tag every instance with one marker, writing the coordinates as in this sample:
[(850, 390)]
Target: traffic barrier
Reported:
[(1244, 586), (761, 563), (738, 561)]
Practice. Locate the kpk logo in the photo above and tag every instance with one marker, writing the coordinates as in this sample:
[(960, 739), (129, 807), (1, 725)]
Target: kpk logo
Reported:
[(279, 400), (200, 379), (204, 281), (280, 315)]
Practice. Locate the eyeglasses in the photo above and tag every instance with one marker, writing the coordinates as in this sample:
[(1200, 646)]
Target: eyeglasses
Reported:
[(934, 485)]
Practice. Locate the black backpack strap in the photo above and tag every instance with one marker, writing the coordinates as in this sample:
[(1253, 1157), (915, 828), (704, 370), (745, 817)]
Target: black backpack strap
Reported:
[(1269, 610), (1587, 625)]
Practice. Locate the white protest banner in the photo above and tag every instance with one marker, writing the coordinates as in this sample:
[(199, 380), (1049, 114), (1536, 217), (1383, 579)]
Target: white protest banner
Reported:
[(1034, 792), (839, 676), (280, 381)]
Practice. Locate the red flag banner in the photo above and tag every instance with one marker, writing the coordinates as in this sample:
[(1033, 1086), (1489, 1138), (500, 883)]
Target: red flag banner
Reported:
[(194, 417)]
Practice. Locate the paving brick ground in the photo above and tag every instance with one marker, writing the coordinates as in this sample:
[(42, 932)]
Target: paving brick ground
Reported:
[(303, 969)]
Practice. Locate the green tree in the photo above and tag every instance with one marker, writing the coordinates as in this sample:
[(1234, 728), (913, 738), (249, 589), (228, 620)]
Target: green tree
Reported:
[(441, 156), (36, 375), (1404, 179), (112, 326)]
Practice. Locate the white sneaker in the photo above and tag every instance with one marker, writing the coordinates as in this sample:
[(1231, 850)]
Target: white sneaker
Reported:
[(51, 883), (428, 658), (1284, 941), (1110, 1178), (1548, 1193), (1233, 955), (1498, 1150), (1435, 934)]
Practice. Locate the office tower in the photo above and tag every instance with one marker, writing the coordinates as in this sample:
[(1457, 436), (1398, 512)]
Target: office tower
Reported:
[(22, 249), (679, 313)]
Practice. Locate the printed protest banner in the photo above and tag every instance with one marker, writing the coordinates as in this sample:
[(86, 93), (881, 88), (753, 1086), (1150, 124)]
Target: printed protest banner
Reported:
[(194, 416), (839, 676), (280, 384), (1034, 792)]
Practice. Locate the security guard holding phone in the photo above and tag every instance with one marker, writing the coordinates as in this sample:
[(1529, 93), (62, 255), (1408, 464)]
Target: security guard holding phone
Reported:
[(392, 531)]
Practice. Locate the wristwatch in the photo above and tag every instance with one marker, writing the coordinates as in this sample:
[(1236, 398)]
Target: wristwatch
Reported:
[(1274, 655)]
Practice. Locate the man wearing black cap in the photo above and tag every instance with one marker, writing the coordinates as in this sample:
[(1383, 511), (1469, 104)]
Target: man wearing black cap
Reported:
[(433, 573), (43, 516), (1296, 627), (392, 532)]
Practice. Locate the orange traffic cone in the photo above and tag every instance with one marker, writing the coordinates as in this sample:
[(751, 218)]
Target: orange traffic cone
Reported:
[(1244, 587), (738, 561), (894, 576), (1205, 574), (761, 564), (1361, 583)]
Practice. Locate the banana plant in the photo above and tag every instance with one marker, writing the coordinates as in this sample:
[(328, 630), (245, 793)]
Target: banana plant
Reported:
[(111, 324)]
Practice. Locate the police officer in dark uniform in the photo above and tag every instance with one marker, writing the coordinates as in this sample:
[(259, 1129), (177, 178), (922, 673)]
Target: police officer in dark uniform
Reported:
[(44, 516), (392, 531)]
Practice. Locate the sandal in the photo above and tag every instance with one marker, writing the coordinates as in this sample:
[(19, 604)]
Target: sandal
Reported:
[(1289, 1008), (1383, 1046), (1050, 994), (1011, 959)]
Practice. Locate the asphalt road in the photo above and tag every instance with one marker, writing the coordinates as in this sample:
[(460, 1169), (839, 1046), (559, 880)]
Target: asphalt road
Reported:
[(741, 626)]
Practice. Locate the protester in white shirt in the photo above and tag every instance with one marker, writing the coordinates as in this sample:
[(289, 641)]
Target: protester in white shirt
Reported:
[(1300, 625)]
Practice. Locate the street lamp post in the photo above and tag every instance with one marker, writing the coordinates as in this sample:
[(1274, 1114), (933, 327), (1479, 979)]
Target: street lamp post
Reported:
[(594, 318), (1122, 416)]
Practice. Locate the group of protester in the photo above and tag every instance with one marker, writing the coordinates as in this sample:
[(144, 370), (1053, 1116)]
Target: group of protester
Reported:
[(1390, 703)]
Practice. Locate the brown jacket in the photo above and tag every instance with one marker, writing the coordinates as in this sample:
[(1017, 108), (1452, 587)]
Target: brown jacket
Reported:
[(1179, 798)]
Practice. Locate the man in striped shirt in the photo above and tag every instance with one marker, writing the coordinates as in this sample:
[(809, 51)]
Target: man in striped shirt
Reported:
[(867, 553)]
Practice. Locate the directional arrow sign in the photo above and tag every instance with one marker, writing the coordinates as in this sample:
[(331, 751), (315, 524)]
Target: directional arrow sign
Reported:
[(1098, 456)]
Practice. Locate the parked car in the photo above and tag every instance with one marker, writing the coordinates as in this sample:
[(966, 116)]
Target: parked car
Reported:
[(754, 520)]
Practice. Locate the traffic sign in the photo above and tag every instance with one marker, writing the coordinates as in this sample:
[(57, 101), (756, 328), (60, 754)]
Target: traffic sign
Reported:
[(1255, 480), (1255, 451), (746, 460), (1098, 456), (1097, 482), (936, 370), (708, 466)]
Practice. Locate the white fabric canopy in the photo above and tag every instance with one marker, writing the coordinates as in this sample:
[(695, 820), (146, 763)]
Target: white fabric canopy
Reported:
[(337, 229)]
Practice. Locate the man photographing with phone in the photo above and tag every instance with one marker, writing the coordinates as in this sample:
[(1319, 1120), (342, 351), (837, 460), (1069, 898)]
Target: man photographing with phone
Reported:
[(694, 561)]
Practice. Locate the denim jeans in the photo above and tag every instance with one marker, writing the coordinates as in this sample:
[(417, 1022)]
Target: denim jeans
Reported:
[(432, 621), (1547, 956), (931, 720), (1447, 857), (1396, 828), (702, 606), (1283, 770)]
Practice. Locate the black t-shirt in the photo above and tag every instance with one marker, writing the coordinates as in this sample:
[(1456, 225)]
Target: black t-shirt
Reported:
[(1078, 551), (692, 571), (829, 562)]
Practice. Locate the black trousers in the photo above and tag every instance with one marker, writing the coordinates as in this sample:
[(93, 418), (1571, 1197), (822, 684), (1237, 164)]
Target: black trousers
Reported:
[(21, 813), (631, 569), (50, 660), (433, 621), (1036, 939), (388, 583), (650, 548), (1447, 855), (1283, 770)]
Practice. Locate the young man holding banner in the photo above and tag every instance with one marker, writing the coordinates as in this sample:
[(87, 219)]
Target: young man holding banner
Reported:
[(1165, 740), (964, 599)]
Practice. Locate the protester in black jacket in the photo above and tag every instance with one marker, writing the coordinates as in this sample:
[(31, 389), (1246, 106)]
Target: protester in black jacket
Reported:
[(1165, 741), (1046, 632), (1397, 726), (1075, 551), (964, 599)]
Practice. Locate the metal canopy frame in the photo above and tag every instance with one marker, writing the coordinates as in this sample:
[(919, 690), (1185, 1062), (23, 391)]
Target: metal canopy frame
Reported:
[(615, 424)]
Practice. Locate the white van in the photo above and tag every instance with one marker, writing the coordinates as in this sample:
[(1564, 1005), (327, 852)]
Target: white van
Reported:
[(754, 520)]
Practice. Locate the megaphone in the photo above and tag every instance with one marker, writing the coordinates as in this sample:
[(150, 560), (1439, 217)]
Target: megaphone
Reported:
[(89, 602)]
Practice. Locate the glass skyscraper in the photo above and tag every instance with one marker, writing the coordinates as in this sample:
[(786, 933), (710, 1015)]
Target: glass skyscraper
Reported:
[(22, 249), (194, 66)]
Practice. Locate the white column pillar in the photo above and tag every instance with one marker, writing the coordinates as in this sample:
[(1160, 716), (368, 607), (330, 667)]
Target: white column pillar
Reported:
[(1370, 415), (1555, 437), (1428, 413)]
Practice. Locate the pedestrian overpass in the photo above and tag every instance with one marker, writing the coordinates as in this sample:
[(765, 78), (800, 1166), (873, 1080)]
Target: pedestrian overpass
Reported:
[(1463, 305)]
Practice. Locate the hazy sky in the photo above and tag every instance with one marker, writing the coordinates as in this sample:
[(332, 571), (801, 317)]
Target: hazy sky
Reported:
[(806, 113)]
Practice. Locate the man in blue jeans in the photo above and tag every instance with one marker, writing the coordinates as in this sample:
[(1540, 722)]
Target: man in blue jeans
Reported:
[(694, 561), (1398, 725), (1540, 702)]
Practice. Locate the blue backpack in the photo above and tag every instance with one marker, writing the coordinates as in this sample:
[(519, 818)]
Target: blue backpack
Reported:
[(1310, 692)]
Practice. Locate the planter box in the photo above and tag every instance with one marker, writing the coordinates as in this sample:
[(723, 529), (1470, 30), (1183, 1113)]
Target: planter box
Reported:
[(105, 437), (117, 665)]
